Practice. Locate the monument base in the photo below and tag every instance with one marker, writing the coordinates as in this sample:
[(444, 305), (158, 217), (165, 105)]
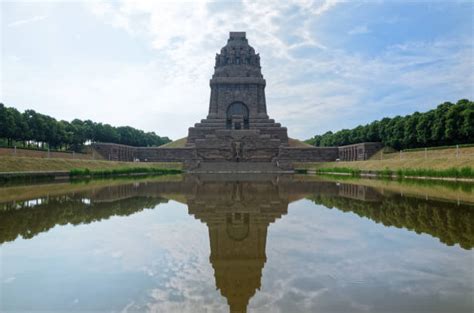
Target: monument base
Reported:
[(235, 167)]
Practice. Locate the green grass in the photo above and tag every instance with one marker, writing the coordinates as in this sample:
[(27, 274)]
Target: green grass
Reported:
[(85, 172), (344, 170), (178, 143), (386, 172), (438, 160), (295, 143), (463, 172), (453, 172), (301, 171)]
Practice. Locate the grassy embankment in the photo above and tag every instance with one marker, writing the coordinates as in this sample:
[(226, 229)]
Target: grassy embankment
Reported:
[(89, 168), (21, 164), (436, 163), (122, 171), (178, 143)]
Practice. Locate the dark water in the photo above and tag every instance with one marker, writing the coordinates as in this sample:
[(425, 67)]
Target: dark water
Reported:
[(220, 244)]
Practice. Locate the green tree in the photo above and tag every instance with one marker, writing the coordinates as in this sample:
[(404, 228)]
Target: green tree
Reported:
[(40, 129), (448, 124), (467, 125), (7, 124), (423, 129), (409, 131)]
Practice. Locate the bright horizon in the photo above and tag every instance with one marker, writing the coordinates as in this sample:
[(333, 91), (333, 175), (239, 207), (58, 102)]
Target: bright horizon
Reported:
[(328, 64)]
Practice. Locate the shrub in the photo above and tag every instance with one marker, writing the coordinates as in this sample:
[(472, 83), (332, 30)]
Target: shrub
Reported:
[(453, 172), (122, 171)]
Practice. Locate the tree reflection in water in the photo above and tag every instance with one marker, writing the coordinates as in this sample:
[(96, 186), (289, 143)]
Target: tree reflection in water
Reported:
[(238, 211)]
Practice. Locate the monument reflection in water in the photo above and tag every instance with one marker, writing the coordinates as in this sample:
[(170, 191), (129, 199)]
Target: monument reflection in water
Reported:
[(238, 214), (238, 211)]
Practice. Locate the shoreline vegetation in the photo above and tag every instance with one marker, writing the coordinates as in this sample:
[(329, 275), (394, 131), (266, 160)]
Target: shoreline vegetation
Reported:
[(449, 163), (458, 174), (124, 171), (83, 174), (30, 170)]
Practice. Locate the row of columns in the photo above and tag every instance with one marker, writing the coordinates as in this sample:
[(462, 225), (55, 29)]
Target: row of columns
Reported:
[(348, 153), (122, 154), (352, 191)]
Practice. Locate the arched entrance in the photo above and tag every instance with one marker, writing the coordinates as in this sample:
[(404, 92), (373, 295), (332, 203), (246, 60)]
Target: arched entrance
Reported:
[(237, 116)]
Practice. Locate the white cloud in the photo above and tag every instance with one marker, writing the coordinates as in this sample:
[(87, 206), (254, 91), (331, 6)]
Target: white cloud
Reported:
[(336, 82), (312, 87), (188, 34), (358, 30), (9, 280), (27, 21)]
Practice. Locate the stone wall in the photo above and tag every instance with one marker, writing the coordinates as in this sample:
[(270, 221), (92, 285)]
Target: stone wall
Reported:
[(246, 93), (359, 151), (116, 152), (237, 146), (245, 146), (316, 154), (156, 154)]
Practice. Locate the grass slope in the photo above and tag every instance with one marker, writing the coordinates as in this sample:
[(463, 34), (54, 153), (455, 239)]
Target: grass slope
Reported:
[(394, 164), (430, 154), (122, 171), (22, 164), (178, 143), (295, 143), (433, 159)]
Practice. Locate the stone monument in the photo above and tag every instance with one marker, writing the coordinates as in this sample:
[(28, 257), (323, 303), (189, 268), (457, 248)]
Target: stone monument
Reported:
[(237, 132)]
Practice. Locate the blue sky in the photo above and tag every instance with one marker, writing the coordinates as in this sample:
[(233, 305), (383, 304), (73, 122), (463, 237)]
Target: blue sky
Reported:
[(328, 64)]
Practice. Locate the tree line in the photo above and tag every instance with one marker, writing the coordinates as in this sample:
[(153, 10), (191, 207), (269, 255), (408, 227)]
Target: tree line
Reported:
[(448, 124), (27, 222), (38, 130), (448, 221)]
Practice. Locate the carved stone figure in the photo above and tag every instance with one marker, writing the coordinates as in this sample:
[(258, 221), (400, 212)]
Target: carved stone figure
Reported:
[(237, 151)]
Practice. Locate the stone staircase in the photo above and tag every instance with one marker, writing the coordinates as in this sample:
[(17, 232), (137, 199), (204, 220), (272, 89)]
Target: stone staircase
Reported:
[(238, 167)]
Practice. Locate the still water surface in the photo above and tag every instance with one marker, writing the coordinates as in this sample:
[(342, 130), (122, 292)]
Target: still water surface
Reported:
[(238, 244)]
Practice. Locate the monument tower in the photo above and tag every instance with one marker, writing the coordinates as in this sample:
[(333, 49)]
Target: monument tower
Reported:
[(237, 86), (237, 128)]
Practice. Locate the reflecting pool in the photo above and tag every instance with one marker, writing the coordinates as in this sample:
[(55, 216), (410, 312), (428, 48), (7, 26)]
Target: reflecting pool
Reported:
[(236, 244)]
